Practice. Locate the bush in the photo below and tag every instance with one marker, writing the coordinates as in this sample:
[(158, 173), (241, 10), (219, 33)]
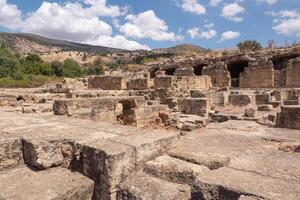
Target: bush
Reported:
[(249, 45), (33, 64), (71, 69), (97, 68), (28, 81), (57, 68)]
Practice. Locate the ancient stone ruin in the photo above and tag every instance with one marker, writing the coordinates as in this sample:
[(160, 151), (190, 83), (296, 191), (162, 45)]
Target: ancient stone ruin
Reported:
[(220, 128)]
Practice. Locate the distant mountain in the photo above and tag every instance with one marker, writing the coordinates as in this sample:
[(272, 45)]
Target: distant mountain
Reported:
[(24, 43), (182, 49)]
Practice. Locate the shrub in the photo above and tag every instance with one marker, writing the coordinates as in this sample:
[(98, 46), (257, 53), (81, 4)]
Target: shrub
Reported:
[(249, 45), (57, 68), (71, 69)]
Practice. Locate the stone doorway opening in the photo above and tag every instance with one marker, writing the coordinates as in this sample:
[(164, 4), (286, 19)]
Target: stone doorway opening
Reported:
[(170, 71), (235, 69), (153, 72), (280, 65), (198, 69)]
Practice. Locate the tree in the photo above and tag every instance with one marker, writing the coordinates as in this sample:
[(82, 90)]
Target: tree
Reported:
[(57, 68), (97, 68), (71, 69), (33, 64), (249, 45)]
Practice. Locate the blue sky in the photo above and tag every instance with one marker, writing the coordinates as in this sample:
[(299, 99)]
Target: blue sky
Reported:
[(134, 24)]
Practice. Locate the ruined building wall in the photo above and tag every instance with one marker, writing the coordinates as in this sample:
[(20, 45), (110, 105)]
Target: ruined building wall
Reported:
[(293, 73), (107, 83), (259, 74), (220, 76)]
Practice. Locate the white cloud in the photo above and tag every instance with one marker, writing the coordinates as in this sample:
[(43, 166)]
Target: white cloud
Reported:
[(209, 34), (99, 8), (287, 22), (229, 35), (148, 25), (118, 41), (193, 6), (270, 2), (195, 32), (232, 12), (68, 22), (10, 15), (215, 3), (75, 21)]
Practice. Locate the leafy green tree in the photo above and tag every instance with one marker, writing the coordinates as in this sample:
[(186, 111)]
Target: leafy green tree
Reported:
[(33, 64), (57, 68), (8, 63), (97, 68), (71, 69), (249, 45)]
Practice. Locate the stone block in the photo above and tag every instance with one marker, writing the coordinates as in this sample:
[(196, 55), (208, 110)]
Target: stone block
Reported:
[(42, 154), (138, 84), (55, 183), (194, 106), (261, 99), (250, 112), (266, 107), (11, 154), (184, 71), (289, 117), (107, 82), (240, 100), (107, 163), (142, 186)]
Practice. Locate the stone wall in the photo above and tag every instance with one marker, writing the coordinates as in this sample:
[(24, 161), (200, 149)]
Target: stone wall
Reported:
[(259, 74), (289, 117), (194, 106), (184, 71), (293, 73), (107, 82), (183, 82), (220, 77), (139, 84)]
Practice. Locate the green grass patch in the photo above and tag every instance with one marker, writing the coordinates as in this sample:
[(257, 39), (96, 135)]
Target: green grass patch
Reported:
[(29, 81)]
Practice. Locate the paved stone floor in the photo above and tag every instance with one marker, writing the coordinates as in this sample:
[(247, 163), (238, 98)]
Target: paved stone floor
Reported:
[(43, 156)]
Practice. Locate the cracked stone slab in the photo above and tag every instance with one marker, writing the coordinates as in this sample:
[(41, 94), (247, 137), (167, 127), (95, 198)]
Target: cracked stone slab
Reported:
[(50, 184)]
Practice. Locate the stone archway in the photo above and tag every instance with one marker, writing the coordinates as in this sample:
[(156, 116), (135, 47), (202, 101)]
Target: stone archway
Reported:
[(235, 68)]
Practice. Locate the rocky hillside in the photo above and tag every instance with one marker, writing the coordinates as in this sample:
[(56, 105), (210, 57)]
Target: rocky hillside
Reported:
[(183, 49), (29, 43)]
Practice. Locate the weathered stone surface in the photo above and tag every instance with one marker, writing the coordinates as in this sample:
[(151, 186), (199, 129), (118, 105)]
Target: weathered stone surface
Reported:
[(144, 115), (148, 145), (194, 106), (143, 187), (292, 73), (55, 183), (261, 99), (139, 84), (289, 117), (259, 74), (42, 154), (265, 107), (11, 154), (107, 82), (250, 112), (240, 100), (227, 183), (174, 170), (184, 71), (107, 163)]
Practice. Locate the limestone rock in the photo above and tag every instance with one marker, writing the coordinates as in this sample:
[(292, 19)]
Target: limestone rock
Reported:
[(42, 154), (250, 112)]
